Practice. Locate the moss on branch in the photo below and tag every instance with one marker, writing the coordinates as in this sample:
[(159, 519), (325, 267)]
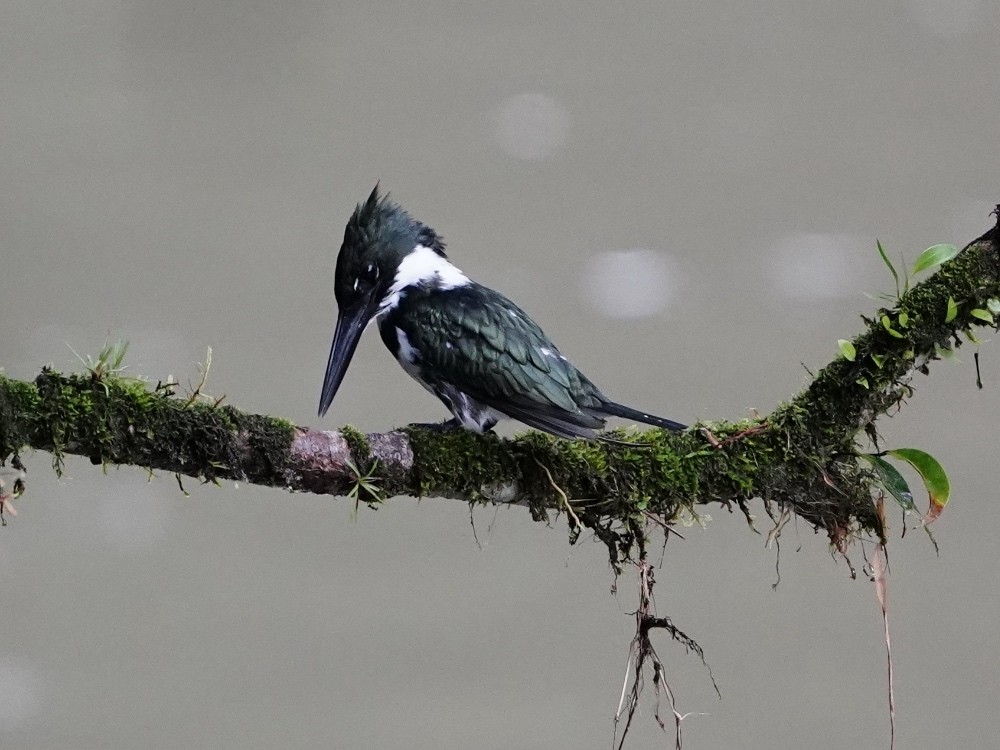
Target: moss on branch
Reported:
[(116, 420), (801, 458)]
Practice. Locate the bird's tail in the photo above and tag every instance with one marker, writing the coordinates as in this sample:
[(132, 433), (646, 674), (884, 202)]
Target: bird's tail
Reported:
[(625, 412)]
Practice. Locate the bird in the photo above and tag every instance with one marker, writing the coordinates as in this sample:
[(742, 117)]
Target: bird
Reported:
[(466, 343)]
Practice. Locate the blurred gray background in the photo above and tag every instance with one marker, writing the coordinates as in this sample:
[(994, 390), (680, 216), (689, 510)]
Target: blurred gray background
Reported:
[(686, 196)]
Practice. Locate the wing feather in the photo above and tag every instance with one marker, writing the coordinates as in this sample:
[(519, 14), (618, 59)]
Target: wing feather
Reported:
[(500, 357)]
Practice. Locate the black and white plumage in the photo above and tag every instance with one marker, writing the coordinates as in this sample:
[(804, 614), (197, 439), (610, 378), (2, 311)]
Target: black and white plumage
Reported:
[(466, 343)]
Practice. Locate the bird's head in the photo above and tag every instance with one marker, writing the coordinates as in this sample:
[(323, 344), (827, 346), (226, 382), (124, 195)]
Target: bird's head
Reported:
[(377, 238)]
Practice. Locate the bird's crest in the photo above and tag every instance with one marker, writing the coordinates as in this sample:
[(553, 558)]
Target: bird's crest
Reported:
[(380, 218)]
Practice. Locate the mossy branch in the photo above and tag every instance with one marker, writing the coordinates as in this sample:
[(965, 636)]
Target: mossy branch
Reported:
[(800, 458)]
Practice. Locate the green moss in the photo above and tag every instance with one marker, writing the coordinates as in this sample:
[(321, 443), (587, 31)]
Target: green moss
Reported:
[(460, 461), (117, 420), (18, 400), (267, 440), (610, 486), (357, 443)]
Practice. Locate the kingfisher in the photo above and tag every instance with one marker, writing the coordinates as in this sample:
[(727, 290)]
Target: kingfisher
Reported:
[(466, 343)]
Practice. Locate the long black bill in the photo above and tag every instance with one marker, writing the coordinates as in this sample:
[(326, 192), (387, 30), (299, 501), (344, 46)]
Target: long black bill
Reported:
[(350, 324)]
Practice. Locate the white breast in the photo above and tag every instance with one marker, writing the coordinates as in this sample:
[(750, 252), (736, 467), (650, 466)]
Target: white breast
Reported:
[(422, 267)]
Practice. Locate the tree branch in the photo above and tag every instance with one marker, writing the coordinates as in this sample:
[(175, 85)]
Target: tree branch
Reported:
[(801, 457)]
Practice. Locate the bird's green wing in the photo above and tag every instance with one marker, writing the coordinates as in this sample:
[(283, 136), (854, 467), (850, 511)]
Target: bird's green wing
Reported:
[(485, 345)]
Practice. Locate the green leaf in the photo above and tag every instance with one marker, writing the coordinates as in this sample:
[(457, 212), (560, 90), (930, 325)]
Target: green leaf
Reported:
[(847, 349), (887, 325), (971, 336), (888, 263), (982, 315), (878, 359), (862, 381), (904, 319), (993, 305), (893, 482), (944, 352), (934, 476), (934, 256), (952, 311)]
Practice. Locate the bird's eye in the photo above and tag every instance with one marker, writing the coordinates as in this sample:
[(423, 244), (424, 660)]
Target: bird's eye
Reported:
[(366, 277)]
